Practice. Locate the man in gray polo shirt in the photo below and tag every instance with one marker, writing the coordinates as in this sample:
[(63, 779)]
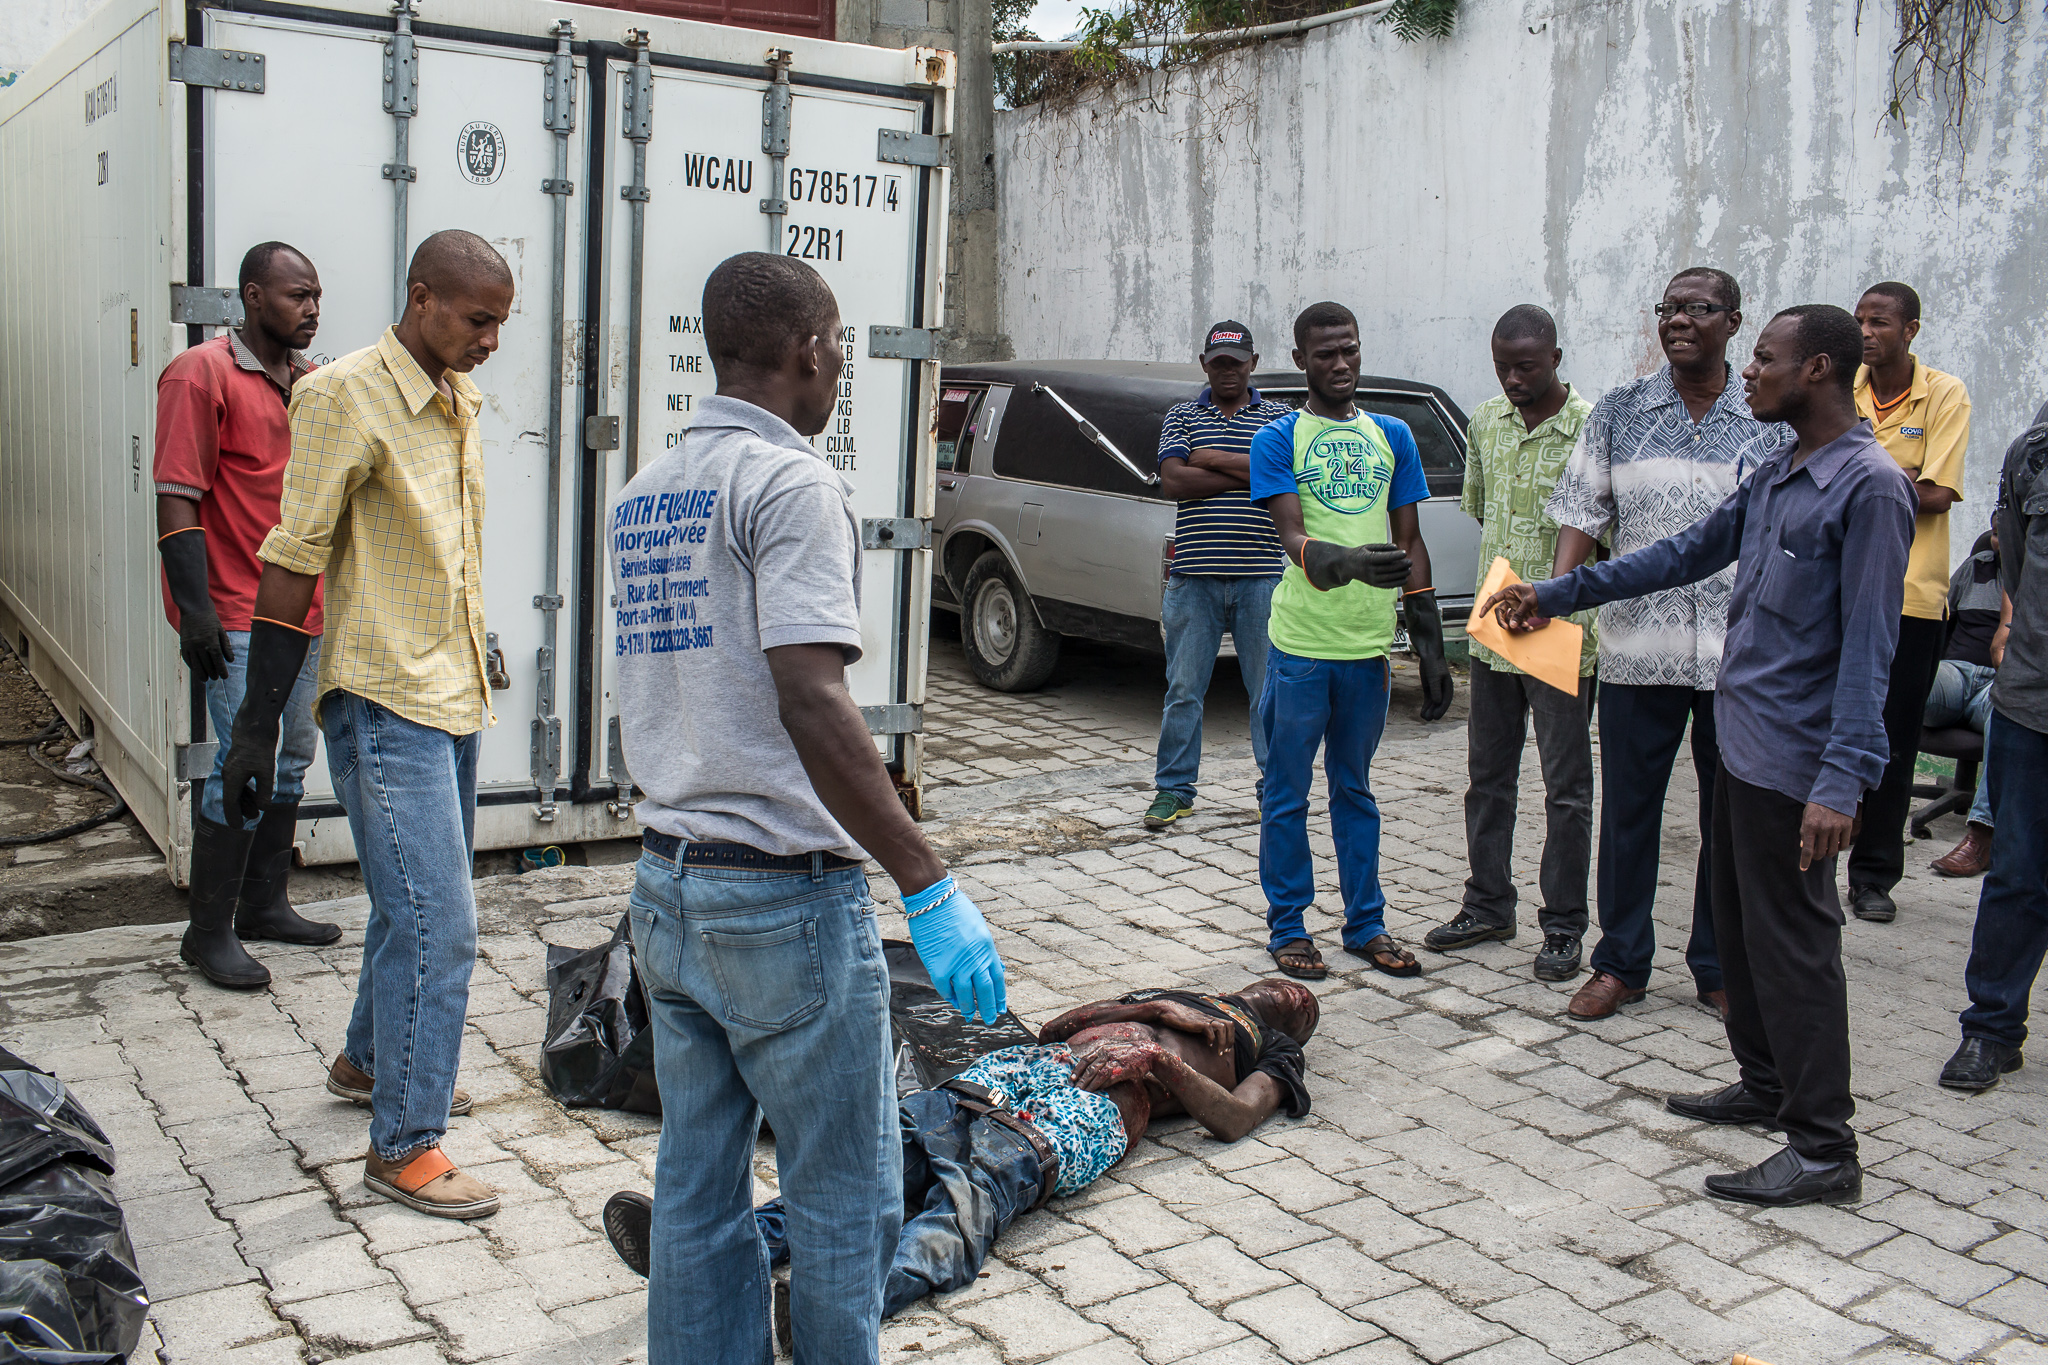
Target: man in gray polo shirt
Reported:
[(2012, 912), (736, 563)]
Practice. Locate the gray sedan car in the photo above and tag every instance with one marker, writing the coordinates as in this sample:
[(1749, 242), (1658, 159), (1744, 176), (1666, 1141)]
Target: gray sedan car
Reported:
[(1049, 520)]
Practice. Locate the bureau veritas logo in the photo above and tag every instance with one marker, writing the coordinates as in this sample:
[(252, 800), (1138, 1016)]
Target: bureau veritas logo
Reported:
[(480, 152)]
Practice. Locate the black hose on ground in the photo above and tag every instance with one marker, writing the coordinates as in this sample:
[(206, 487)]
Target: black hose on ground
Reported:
[(56, 729)]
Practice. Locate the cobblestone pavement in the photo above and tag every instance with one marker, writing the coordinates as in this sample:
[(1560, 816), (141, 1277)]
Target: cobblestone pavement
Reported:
[(1481, 1180)]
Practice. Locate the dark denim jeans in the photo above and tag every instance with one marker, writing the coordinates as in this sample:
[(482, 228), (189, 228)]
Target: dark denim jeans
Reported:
[(965, 1179), (1195, 612), (1640, 731), (1340, 707), (768, 994), (2012, 911)]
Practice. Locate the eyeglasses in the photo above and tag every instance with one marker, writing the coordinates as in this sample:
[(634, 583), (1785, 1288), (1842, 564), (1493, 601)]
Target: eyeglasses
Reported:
[(1691, 310)]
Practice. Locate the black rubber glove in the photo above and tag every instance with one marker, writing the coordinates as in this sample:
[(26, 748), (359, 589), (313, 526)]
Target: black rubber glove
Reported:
[(276, 654), (201, 642), (1332, 566), (1426, 637)]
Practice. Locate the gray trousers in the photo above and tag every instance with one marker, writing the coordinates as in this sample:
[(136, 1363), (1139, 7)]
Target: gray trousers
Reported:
[(1497, 728)]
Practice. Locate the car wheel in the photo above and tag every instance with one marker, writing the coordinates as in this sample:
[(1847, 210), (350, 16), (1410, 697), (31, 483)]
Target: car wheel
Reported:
[(1007, 646)]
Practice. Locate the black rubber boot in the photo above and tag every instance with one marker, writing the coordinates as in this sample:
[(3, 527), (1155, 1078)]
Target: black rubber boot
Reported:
[(219, 856), (266, 910)]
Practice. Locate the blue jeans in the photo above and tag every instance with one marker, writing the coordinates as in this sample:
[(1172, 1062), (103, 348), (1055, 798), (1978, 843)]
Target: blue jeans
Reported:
[(410, 794), (2012, 910), (1961, 695), (965, 1179), (297, 732), (1339, 705), (1195, 611), (768, 994)]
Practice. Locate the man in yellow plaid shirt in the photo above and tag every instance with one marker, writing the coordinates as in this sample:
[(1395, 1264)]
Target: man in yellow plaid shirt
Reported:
[(384, 494)]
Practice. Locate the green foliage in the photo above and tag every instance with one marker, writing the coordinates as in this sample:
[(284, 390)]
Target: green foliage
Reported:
[(1417, 19), (1027, 77)]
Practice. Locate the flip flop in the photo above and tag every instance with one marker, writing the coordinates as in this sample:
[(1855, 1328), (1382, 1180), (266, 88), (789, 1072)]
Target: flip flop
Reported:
[(1377, 950), (1308, 963)]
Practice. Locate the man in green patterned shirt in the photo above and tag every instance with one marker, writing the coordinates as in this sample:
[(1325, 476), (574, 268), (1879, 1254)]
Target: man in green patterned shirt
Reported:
[(1518, 444)]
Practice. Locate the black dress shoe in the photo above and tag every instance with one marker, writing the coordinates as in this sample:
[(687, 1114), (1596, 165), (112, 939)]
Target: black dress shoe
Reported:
[(1733, 1105), (1873, 903), (1464, 931), (1781, 1181), (1978, 1064), (628, 1220)]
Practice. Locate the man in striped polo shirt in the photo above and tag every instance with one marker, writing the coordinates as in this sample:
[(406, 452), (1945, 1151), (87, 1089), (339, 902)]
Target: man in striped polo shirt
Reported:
[(1226, 558)]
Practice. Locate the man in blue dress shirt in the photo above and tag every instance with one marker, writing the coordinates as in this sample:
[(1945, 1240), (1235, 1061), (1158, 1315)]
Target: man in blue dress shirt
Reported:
[(1822, 530)]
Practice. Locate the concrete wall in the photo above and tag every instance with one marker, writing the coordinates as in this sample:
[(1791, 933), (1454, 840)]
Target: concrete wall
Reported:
[(1572, 153), (964, 27), (32, 27)]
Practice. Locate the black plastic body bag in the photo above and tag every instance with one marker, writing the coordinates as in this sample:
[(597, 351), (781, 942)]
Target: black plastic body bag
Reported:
[(599, 1051), (69, 1289)]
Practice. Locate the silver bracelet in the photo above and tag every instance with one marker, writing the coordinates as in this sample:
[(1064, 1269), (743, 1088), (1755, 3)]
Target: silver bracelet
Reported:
[(934, 905)]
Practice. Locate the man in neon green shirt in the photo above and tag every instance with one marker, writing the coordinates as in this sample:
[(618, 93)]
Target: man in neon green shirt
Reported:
[(1341, 485)]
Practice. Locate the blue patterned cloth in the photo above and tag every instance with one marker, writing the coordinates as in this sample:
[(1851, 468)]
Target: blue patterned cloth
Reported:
[(1644, 470), (1084, 1127)]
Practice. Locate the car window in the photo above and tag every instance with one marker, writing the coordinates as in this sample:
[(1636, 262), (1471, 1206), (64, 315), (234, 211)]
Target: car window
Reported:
[(1040, 442), (1443, 458), (957, 407)]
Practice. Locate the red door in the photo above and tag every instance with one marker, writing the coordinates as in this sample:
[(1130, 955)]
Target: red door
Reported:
[(807, 18)]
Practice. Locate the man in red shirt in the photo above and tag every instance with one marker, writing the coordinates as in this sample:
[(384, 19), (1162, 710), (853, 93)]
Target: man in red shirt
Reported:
[(222, 440)]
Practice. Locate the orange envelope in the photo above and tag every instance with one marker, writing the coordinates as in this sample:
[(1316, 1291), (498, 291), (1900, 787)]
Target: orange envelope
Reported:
[(1551, 654)]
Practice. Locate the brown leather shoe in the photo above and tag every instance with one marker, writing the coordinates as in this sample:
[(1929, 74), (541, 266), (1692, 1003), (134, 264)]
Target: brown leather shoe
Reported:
[(426, 1180), (1602, 996), (353, 1084), (1717, 1001), (1970, 858)]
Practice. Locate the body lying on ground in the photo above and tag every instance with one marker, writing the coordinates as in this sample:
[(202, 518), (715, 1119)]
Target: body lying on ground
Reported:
[(1024, 1124)]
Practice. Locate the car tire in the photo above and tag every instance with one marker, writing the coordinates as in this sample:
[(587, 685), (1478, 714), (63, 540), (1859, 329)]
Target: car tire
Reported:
[(1007, 646)]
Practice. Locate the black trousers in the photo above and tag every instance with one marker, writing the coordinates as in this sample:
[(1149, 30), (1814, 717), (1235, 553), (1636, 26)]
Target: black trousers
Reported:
[(1641, 728), (1779, 931), (1878, 857), (1496, 731)]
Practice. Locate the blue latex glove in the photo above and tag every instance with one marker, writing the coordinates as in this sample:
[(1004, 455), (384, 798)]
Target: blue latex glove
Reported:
[(957, 949)]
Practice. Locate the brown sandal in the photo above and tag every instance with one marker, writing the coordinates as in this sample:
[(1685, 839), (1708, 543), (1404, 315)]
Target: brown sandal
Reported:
[(1306, 962), (1387, 956)]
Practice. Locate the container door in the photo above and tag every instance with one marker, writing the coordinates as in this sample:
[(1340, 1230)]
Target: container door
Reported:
[(858, 221), (480, 150)]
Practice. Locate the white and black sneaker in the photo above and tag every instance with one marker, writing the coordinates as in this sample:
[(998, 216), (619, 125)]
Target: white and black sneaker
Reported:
[(1558, 958)]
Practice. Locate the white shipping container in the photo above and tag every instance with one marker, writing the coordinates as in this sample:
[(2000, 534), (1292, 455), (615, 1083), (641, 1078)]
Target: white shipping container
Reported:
[(612, 167)]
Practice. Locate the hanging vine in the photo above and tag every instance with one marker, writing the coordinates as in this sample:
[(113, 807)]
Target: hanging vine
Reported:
[(1939, 49)]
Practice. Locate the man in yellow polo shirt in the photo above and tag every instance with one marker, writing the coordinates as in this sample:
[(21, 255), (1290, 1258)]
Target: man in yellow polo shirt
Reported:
[(1922, 417), (385, 496)]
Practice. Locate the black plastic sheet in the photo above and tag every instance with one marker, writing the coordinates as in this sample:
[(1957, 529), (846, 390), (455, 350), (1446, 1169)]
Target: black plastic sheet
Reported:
[(69, 1289), (933, 1042), (598, 1052)]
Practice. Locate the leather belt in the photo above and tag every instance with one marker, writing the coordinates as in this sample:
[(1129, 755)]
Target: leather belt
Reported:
[(979, 1099), (741, 856)]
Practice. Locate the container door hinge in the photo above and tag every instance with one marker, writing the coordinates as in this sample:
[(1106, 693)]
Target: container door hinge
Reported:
[(620, 807), (202, 306), (895, 533), (215, 68), (601, 432), (910, 149), (195, 761), (900, 718), (903, 343)]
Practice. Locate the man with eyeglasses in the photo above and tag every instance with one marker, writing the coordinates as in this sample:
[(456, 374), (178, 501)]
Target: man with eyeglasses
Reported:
[(1655, 456)]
